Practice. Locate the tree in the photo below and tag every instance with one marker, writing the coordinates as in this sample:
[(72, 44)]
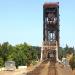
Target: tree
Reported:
[(65, 51), (5, 51), (72, 62), (22, 54), (1, 62), (60, 53)]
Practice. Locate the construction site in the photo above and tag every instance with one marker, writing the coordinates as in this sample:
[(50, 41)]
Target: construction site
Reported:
[(49, 63)]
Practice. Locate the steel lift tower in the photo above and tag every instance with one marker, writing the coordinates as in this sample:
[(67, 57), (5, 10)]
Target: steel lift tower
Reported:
[(50, 44)]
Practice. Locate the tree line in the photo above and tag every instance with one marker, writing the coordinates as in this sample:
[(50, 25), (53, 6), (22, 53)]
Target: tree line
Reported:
[(69, 53), (22, 54)]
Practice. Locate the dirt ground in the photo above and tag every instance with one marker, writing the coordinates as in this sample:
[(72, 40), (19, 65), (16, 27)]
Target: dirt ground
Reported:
[(73, 72), (16, 72), (62, 70)]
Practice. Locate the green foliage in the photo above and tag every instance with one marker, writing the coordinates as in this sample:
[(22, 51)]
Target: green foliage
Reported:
[(22, 54), (65, 51), (1, 62), (4, 50), (34, 62), (72, 62), (60, 53)]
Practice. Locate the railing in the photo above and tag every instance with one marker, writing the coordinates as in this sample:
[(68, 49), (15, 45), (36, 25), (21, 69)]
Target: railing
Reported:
[(49, 45)]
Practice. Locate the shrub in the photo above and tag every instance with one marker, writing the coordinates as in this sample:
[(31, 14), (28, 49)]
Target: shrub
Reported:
[(72, 62)]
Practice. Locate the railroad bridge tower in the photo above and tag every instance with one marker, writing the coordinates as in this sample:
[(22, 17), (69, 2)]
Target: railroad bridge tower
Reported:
[(50, 31)]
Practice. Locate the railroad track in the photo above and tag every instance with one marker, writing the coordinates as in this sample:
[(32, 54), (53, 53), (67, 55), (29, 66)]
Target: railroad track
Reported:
[(51, 69)]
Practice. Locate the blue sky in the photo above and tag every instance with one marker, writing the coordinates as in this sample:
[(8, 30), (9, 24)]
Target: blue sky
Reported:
[(22, 21)]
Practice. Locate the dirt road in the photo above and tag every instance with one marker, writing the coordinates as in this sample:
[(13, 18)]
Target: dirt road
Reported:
[(45, 68), (48, 68)]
